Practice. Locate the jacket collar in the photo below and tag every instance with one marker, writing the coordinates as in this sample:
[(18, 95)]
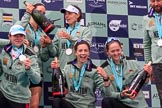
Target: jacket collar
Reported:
[(89, 67)]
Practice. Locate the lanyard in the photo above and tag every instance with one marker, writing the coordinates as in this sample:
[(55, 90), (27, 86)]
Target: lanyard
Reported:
[(18, 50), (77, 85), (72, 32), (158, 24), (118, 78), (36, 35)]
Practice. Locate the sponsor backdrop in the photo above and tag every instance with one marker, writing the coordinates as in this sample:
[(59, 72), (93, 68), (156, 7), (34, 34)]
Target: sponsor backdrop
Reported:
[(107, 18)]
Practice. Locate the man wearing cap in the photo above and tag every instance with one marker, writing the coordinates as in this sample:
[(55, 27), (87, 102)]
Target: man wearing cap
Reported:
[(18, 64)]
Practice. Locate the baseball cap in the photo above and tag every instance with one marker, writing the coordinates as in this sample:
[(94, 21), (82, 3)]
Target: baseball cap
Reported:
[(17, 29), (70, 8)]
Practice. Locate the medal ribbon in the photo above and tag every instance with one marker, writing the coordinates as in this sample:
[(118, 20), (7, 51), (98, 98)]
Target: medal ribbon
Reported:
[(18, 50), (36, 35), (158, 24), (118, 78), (72, 32), (77, 85)]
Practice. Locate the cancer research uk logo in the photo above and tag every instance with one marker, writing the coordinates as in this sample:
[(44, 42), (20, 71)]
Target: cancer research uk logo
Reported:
[(137, 7), (117, 26), (96, 6)]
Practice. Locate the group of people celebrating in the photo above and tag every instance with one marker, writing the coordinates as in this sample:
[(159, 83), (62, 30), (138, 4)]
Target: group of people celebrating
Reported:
[(29, 46)]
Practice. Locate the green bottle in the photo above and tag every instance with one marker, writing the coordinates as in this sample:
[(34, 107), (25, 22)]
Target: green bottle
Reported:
[(46, 24)]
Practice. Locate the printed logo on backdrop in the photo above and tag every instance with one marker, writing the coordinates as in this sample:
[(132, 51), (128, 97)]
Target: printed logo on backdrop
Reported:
[(97, 48), (119, 2), (99, 97), (147, 93), (96, 6), (136, 7), (155, 97), (47, 93), (7, 19), (98, 24), (117, 7), (54, 5), (74, 1), (9, 3), (136, 26), (136, 49), (117, 26)]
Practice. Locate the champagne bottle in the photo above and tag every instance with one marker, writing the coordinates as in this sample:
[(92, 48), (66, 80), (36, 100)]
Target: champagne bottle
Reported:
[(46, 24), (57, 82), (138, 82)]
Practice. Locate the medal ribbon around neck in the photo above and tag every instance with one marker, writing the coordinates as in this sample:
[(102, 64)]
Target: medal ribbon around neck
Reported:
[(72, 32), (36, 36), (19, 50), (77, 85), (158, 24), (118, 78)]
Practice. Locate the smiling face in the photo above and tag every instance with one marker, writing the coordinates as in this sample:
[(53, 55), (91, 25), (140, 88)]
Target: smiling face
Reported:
[(114, 50), (82, 53), (71, 18), (17, 40), (157, 5)]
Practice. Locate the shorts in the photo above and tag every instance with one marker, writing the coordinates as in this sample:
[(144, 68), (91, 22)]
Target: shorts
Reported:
[(36, 85)]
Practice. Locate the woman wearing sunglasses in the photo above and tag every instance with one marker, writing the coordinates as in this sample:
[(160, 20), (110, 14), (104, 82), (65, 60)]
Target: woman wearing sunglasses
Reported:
[(121, 71), (82, 79)]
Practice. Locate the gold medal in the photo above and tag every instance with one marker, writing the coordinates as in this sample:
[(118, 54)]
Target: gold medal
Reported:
[(111, 77), (70, 75)]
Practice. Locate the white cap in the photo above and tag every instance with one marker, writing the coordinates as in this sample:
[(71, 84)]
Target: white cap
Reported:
[(17, 29), (70, 8)]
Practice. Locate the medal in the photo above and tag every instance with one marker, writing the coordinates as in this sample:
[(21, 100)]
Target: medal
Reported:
[(36, 49), (111, 77), (159, 42), (69, 51), (70, 75), (22, 57)]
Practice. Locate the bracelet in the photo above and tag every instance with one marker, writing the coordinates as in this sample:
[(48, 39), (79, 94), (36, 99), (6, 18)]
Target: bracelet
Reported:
[(107, 79)]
